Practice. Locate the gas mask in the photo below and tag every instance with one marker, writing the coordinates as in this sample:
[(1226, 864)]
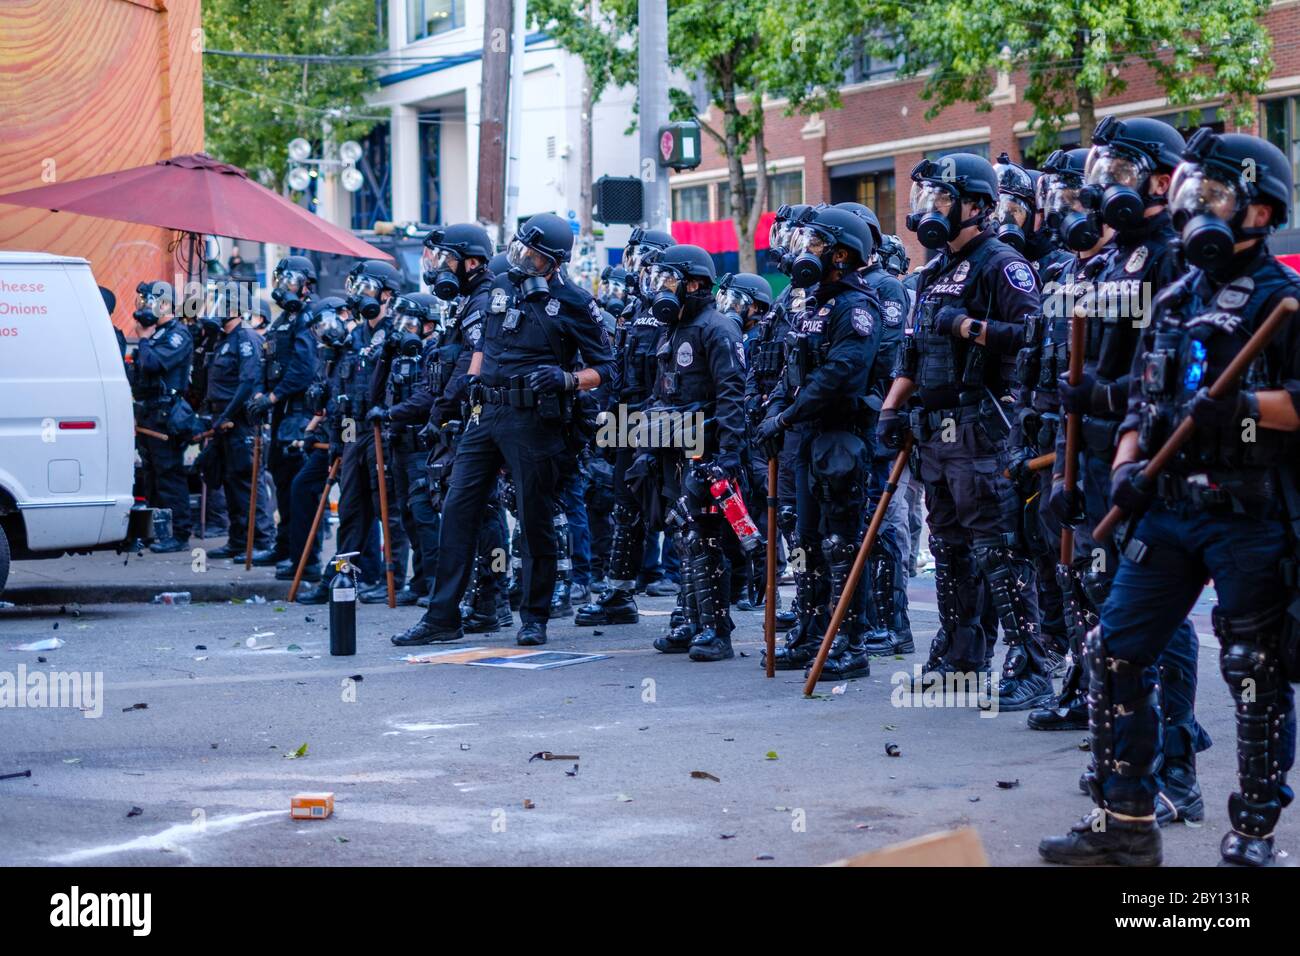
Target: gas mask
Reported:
[(406, 329), (1079, 229), (611, 295), (732, 301), (330, 330), (1209, 210), (670, 300), (528, 268), (778, 239), (1116, 181), (936, 214), (146, 305), (363, 296), (290, 287), (1012, 217), (444, 273), (810, 256)]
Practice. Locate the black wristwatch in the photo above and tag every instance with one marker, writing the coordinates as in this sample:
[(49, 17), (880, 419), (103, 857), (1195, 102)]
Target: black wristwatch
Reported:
[(975, 330)]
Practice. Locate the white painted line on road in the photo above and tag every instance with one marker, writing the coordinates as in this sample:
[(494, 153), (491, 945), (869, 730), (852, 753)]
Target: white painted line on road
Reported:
[(172, 838)]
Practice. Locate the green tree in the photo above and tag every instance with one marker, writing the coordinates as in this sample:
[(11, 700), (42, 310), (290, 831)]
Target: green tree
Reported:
[(1071, 53), (253, 107)]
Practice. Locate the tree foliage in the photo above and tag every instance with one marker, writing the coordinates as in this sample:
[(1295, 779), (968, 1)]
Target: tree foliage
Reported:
[(254, 107), (1074, 52), (602, 35)]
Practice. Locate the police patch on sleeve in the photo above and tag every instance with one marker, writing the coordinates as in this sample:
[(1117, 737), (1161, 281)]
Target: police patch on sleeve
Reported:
[(1019, 275), (862, 321), (246, 349), (474, 333), (1137, 259), (594, 310), (174, 340), (893, 313)]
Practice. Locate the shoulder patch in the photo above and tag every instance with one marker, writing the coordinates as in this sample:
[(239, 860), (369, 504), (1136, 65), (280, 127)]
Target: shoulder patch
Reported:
[(740, 353), (1019, 275), (174, 340), (862, 321), (893, 313), (246, 348), (474, 333), (1137, 259), (474, 318), (594, 310)]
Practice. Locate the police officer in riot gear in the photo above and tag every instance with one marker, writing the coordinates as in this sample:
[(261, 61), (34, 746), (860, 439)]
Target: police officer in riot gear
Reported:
[(521, 400), (234, 375), (821, 399), (371, 288), (161, 373), (634, 378), (1224, 509), (974, 300), (327, 320), (290, 367), (893, 256), (699, 388), (613, 292)]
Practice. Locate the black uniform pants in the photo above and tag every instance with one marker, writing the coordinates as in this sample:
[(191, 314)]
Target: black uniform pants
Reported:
[(283, 463), (304, 498), (359, 503), (533, 450), (421, 522), (164, 481), (237, 459)]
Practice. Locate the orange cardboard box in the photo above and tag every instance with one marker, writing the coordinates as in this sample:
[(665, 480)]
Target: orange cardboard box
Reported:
[(311, 806)]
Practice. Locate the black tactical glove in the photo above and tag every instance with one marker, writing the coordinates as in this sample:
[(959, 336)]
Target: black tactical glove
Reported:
[(1223, 414), (1019, 472), (1130, 491), (891, 429), (1067, 506), (376, 414), (1077, 399), (316, 396), (552, 378), (770, 436), (257, 406), (729, 464)]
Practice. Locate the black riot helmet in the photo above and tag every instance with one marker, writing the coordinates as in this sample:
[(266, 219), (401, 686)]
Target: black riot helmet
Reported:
[(1013, 216), (445, 252), (939, 187), (668, 275), (153, 301), (612, 292), (499, 265), (327, 323), (540, 247), (818, 235), (366, 283), (1059, 199), (778, 237), (866, 215), (1221, 176), (745, 294), (893, 255), (642, 246), (412, 311), (1124, 156), (292, 282)]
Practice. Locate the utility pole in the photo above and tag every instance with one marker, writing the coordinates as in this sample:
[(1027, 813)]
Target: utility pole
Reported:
[(515, 131), (652, 70), (492, 132), (585, 121)]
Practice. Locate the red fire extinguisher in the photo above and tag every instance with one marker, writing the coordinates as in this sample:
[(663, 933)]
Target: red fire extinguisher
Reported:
[(726, 494)]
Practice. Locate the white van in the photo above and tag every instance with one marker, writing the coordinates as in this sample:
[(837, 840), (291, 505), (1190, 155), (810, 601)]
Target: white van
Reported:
[(67, 428)]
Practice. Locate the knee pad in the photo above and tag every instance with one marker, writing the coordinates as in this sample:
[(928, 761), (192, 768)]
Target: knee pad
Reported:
[(1248, 657), (837, 550)]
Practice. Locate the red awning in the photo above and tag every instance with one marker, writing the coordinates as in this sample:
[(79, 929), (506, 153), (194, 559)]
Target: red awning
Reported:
[(719, 235)]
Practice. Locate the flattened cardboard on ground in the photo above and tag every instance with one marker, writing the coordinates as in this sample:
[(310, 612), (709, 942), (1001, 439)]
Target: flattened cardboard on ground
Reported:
[(536, 660), (462, 655), (948, 848)]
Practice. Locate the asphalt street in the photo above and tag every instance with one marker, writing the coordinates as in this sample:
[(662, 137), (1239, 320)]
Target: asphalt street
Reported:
[(429, 763)]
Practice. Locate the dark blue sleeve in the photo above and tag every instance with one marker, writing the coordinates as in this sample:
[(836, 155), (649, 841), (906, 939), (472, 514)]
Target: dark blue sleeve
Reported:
[(302, 366), (592, 340), (728, 370), (844, 373)]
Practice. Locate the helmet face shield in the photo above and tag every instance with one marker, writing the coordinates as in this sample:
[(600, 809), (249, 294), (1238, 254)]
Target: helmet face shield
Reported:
[(1115, 166), (364, 285), (778, 236), (805, 240), (930, 197), (1198, 190), (291, 280), (407, 322), (1060, 194), (636, 254), (1011, 210), (659, 278), (329, 328), (527, 260), (435, 259), (612, 289), (733, 300)]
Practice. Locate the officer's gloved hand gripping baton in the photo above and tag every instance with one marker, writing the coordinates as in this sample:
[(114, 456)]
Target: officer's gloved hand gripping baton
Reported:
[(855, 573), (1073, 426), (1222, 385)]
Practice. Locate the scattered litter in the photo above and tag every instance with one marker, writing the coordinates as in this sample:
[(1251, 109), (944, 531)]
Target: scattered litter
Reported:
[(257, 599), (300, 752), (623, 798), (726, 836), (464, 746), (772, 755), (1008, 784), (765, 856), (342, 840), (15, 776), (311, 806), (729, 740), (357, 677), (704, 775), (200, 647), (893, 750), (134, 812), (49, 644), (1085, 744), (973, 799), (597, 633), (135, 707), (173, 598), (41, 659), (134, 773), (56, 626), (890, 727), (204, 658), (309, 619), (744, 653), (293, 647), (278, 610), (547, 755), (862, 826), (529, 805), (73, 760), (213, 746), (537, 660), (839, 689), (647, 727), (573, 772)]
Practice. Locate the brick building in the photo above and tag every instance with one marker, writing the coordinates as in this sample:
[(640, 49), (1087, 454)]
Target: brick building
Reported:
[(865, 150)]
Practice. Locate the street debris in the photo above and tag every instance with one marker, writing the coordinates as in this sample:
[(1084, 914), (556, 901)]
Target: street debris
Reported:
[(172, 598), (311, 806), (893, 750), (772, 755), (1008, 784), (623, 798), (135, 707), (294, 755), (839, 689), (49, 644), (15, 776), (134, 812), (726, 836), (573, 772), (704, 775), (765, 856), (547, 755), (529, 805)]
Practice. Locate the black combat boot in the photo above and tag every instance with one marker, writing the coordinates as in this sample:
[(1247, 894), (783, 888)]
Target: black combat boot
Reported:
[(1180, 793), (615, 606), (1103, 838), (713, 642), (531, 634), (422, 633), (320, 594), (1022, 686), (561, 604), (802, 640), (1053, 717), (847, 657)]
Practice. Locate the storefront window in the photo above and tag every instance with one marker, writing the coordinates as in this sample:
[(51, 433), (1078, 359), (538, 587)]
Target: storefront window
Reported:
[(426, 18), (691, 204)]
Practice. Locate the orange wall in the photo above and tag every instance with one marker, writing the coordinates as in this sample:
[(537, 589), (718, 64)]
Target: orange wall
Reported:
[(90, 87)]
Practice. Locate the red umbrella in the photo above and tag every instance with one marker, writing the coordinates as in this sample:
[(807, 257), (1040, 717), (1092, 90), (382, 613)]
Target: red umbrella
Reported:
[(197, 194)]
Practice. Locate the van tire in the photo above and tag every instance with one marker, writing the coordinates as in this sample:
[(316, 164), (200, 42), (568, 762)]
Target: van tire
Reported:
[(4, 559)]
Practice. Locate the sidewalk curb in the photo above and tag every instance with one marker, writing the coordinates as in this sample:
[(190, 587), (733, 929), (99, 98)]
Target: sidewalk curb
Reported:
[(45, 594)]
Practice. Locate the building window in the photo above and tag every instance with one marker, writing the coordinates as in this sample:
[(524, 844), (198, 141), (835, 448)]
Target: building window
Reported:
[(426, 18), (374, 199), (430, 168), (865, 68), (1281, 127), (979, 149), (782, 188), (873, 190), (691, 204), (1034, 156)]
